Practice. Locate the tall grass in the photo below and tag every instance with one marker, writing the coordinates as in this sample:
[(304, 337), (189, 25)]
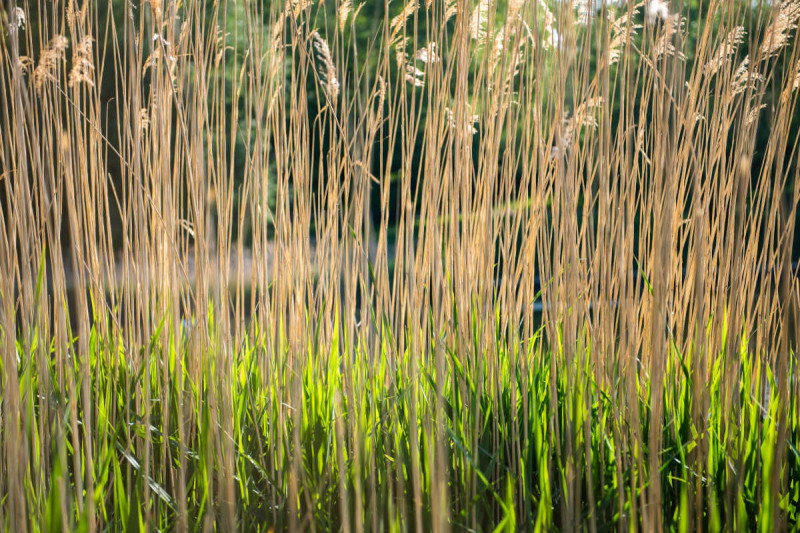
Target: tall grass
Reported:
[(514, 265)]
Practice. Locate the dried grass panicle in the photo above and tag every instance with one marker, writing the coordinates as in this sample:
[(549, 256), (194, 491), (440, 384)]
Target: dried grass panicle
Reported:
[(221, 44), (515, 8), (183, 37), (346, 12), (162, 49), (752, 114), (467, 126), (26, 64), (144, 119), (665, 44), (585, 112), (623, 29), (583, 116), (584, 9), (506, 36), (400, 55), (398, 23), (415, 76), (745, 78), (551, 38), (276, 33), (563, 138), (343, 12), (299, 6), (657, 11), (75, 16), (479, 19), (450, 9), (327, 70), (17, 21), (726, 50), (52, 56), (779, 31), (499, 42), (427, 54), (157, 8), (376, 114), (82, 64)]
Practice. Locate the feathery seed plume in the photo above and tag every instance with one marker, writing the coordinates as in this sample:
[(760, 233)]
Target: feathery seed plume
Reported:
[(144, 118), (298, 6), (583, 9), (583, 116), (328, 71), (584, 113), (398, 23), (18, 22), (555, 39), (160, 47), (183, 36), (551, 38), (82, 64), (779, 31), (415, 76), (220, 40), (499, 40), (514, 7), (656, 11), (563, 139), (479, 20), (726, 49), (621, 30), (345, 8), (74, 16), (752, 116), (48, 62), (157, 8), (664, 45), (467, 127), (400, 52), (381, 95), (25, 64), (450, 10), (277, 31), (427, 54), (744, 78)]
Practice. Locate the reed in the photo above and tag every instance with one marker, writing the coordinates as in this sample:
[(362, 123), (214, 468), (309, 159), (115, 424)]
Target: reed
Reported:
[(510, 266)]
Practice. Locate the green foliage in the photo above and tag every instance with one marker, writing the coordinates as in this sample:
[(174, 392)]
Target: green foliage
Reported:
[(290, 418)]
